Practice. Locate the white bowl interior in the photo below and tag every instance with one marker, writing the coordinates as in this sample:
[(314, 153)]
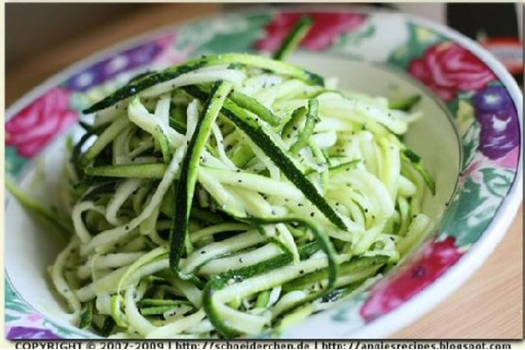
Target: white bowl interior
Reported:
[(29, 250)]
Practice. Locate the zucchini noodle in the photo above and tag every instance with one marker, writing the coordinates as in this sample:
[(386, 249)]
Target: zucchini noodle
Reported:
[(233, 195)]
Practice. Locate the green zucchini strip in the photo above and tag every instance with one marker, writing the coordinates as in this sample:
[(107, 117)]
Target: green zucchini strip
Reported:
[(254, 106), (347, 166), (218, 282), (164, 145), (405, 104), (292, 41), (146, 171), (76, 154), (104, 139), (353, 265), (412, 158), (86, 318), (139, 85), (292, 125), (161, 302), (304, 135), (188, 175), (221, 281), (63, 228)]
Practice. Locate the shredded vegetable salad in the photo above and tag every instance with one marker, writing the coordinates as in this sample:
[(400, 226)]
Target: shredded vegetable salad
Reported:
[(232, 195)]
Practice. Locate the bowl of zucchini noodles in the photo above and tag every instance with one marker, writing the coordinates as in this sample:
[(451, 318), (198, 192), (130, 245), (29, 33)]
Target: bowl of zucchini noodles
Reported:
[(306, 183)]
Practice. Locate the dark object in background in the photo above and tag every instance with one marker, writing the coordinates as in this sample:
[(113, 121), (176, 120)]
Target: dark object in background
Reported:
[(493, 25), (32, 28)]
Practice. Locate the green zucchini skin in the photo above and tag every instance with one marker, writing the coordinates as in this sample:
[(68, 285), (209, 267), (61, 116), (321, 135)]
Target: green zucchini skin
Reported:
[(292, 41), (141, 84), (322, 241), (255, 132), (188, 175), (411, 157), (86, 318), (155, 310), (262, 299), (357, 262), (280, 159), (220, 281), (254, 106), (148, 171), (76, 154), (405, 104), (164, 145), (141, 76), (344, 166), (312, 119), (108, 326), (289, 129), (176, 119), (160, 302), (62, 227), (243, 156)]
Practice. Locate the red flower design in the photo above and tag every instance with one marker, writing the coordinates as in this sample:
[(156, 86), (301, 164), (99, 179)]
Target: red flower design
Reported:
[(436, 258), (448, 68), (327, 27), (36, 125)]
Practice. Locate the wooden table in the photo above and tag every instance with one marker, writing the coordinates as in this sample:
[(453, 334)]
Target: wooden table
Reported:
[(488, 305)]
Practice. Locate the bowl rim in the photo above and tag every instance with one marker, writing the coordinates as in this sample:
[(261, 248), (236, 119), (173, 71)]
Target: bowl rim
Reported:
[(454, 277), (457, 274)]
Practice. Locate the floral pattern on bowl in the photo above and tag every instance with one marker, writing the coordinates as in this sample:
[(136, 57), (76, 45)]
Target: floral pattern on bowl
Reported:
[(447, 68), (30, 130), (326, 29), (486, 116)]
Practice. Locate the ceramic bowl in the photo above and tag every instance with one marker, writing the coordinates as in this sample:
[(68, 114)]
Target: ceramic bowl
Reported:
[(469, 139)]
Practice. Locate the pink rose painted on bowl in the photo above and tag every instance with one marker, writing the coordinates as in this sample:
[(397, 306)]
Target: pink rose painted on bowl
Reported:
[(31, 129), (448, 68), (435, 259), (327, 27)]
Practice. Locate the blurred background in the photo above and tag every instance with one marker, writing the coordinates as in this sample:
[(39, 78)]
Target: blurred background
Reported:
[(42, 39)]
